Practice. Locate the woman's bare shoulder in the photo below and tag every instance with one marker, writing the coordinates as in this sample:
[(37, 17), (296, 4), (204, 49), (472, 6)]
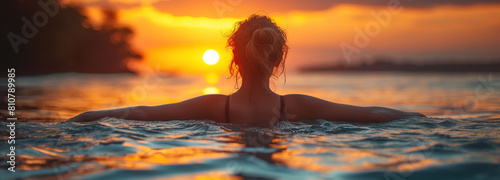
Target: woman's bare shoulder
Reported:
[(300, 107), (207, 101), (211, 97)]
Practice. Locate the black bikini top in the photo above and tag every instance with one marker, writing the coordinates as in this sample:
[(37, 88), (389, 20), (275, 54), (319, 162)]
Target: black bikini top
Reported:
[(282, 111)]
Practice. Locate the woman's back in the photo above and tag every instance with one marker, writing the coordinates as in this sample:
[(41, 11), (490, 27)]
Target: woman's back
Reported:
[(257, 109)]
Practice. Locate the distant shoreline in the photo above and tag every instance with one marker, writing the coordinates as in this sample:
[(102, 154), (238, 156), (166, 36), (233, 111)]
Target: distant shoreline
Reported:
[(389, 66)]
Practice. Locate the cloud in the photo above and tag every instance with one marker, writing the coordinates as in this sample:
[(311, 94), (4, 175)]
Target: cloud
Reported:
[(242, 8), (114, 4)]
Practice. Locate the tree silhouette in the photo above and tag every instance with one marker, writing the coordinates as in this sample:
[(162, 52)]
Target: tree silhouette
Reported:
[(64, 42)]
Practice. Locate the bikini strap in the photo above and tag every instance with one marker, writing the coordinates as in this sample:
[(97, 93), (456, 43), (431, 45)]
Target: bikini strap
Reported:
[(283, 108), (227, 109)]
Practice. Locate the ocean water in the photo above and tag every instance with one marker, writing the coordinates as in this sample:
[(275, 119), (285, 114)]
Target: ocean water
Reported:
[(460, 138)]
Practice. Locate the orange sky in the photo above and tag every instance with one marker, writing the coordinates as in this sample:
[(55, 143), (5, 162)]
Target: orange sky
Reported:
[(173, 35)]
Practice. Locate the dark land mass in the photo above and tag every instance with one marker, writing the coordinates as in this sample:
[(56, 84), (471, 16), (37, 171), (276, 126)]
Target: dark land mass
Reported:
[(391, 66), (42, 37)]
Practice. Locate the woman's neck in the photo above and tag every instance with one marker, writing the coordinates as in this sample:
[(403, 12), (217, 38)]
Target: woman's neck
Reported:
[(255, 88)]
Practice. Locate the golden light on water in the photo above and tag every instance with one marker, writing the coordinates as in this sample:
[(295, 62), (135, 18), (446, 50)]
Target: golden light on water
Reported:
[(210, 90), (211, 57), (211, 78)]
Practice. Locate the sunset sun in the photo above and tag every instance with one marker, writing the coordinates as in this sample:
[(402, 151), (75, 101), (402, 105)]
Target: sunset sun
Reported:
[(211, 57)]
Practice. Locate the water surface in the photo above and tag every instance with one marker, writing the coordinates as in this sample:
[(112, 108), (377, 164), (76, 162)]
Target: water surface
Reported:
[(459, 139)]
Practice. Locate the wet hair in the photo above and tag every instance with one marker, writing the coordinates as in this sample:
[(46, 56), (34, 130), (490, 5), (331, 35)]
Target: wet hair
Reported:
[(259, 49)]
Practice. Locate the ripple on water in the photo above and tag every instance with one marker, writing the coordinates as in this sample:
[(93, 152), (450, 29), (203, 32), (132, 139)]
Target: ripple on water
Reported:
[(410, 148)]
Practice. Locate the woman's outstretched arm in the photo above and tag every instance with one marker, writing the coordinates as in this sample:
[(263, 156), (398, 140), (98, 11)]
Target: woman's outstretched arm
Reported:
[(308, 107), (136, 113), (202, 107)]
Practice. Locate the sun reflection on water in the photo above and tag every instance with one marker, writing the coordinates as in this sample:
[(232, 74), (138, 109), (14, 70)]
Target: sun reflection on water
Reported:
[(210, 90), (212, 78)]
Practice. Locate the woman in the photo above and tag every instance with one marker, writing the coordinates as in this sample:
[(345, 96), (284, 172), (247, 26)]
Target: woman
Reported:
[(259, 51)]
